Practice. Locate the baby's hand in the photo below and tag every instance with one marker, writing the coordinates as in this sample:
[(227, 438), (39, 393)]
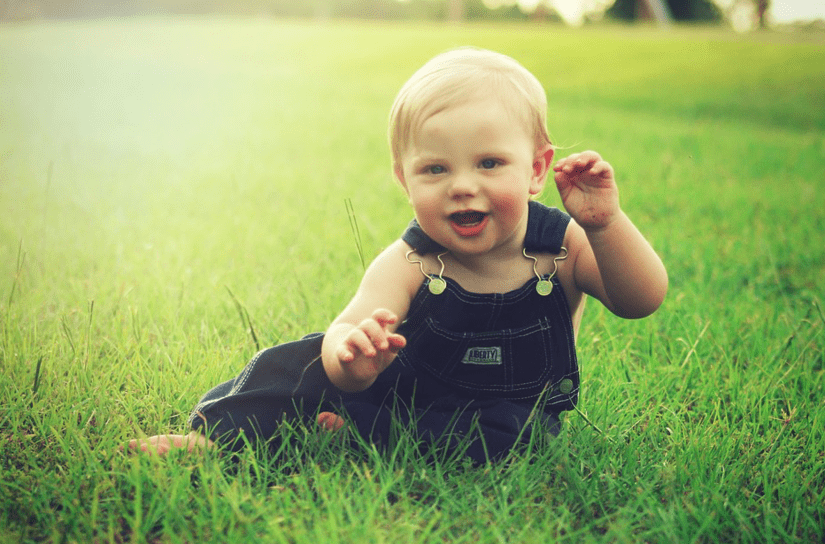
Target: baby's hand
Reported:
[(369, 348), (588, 189)]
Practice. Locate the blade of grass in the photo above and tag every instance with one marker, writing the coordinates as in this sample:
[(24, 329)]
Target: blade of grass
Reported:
[(68, 333), (89, 334), (21, 259), (353, 224), (246, 322), (36, 385), (692, 349)]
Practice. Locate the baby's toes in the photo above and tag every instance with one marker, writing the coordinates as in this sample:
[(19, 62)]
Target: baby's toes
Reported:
[(330, 422)]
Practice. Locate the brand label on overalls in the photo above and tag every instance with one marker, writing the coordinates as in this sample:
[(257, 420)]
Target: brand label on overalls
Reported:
[(482, 356)]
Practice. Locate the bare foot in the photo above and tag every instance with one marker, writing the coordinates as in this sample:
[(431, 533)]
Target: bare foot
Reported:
[(164, 443), (330, 422)]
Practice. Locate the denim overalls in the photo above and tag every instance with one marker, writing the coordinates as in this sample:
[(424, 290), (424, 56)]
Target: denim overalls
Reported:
[(476, 371)]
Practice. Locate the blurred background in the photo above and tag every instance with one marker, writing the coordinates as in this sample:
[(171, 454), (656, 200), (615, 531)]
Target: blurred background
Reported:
[(742, 15)]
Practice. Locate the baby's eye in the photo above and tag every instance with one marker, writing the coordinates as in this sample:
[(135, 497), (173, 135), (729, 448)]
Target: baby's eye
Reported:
[(489, 164), (436, 169)]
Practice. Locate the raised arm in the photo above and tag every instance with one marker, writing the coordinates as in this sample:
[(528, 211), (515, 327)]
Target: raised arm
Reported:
[(612, 260), (361, 342)]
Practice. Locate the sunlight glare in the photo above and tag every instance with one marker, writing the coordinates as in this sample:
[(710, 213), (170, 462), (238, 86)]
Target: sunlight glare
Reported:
[(573, 12)]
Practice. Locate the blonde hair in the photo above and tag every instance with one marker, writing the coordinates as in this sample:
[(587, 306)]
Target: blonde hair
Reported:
[(457, 77)]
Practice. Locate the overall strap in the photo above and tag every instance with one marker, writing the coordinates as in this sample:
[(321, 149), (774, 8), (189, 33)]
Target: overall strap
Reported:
[(545, 232)]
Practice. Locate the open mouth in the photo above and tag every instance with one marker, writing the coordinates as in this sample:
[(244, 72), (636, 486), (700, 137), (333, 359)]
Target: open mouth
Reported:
[(468, 224), (467, 219)]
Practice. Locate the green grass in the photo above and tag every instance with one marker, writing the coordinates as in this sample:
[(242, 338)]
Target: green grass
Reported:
[(148, 168)]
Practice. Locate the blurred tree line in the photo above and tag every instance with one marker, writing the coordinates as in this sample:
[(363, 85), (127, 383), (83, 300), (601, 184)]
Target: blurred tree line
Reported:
[(680, 10), (703, 10)]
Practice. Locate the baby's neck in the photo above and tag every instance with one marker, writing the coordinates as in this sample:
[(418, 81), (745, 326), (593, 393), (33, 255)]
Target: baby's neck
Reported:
[(486, 274)]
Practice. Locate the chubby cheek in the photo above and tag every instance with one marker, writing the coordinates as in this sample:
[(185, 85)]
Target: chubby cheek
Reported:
[(427, 207), (510, 202)]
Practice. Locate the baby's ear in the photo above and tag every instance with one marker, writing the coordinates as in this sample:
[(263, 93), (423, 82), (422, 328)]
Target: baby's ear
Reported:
[(399, 175), (541, 165)]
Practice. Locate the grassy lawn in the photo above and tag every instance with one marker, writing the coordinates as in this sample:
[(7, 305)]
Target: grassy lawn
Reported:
[(158, 176)]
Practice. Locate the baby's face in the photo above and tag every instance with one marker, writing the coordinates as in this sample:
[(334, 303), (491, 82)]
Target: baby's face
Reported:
[(469, 173)]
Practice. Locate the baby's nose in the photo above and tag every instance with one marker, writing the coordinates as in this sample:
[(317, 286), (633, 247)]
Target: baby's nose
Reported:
[(463, 185)]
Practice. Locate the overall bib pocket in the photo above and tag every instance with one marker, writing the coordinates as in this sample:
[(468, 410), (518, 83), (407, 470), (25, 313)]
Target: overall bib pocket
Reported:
[(509, 363)]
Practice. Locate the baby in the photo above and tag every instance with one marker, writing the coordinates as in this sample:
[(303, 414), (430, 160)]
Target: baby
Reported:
[(464, 328)]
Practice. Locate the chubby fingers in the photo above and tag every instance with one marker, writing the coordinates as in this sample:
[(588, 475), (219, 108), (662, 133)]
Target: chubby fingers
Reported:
[(371, 336), (586, 161), (383, 317), (386, 318)]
